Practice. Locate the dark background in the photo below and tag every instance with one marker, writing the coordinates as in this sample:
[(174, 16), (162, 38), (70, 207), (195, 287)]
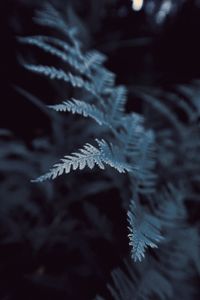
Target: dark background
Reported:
[(142, 53)]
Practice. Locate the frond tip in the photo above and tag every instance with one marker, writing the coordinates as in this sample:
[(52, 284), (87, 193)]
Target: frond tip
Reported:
[(89, 156), (81, 108), (144, 231)]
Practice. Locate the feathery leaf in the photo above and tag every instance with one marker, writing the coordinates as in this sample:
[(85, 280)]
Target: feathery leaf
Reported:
[(117, 103), (54, 73), (144, 231), (70, 58), (81, 108), (88, 156)]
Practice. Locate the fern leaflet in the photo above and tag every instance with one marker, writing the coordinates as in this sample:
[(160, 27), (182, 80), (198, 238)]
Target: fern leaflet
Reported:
[(117, 104), (144, 231), (54, 73), (69, 58), (50, 17), (88, 156), (81, 108), (143, 157)]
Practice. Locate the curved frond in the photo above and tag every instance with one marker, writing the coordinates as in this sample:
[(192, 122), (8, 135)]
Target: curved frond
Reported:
[(94, 59), (103, 79), (51, 17), (138, 146), (69, 58), (117, 104), (54, 73), (144, 159), (132, 128), (144, 231), (89, 156), (81, 108)]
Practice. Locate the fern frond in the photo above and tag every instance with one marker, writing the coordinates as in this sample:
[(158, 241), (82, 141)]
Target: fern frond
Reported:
[(54, 73), (89, 156), (117, 104), (144, 160), (144, 231), (103, 80), (132, 128), (66, 47), (49, 16), (69, 58), (89, 64), (138, 145), (94, 59), (81, 108), (101, 77)]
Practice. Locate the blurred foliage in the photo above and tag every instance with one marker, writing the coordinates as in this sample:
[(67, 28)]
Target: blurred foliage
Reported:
[(62, 239)]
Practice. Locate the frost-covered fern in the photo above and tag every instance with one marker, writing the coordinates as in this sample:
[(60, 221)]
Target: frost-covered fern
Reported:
[(130, 146), (82, 108), (89, 156)]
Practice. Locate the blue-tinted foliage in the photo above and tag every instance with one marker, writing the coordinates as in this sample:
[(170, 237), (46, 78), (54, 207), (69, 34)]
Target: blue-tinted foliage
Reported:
[(82, 108), (134, 149), (144, 231), (89, 156), (153, 150), (130, 285)]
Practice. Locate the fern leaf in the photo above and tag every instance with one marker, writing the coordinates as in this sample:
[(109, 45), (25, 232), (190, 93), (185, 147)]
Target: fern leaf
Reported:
[(49, 16), (143, 159), (69, 58), (66, 47), (132, 128), (81, 108), (139, 147), (144, 231), (117, 104), (88, 156), (114, 157), (54, 73), (94, 58), (103, 80)]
